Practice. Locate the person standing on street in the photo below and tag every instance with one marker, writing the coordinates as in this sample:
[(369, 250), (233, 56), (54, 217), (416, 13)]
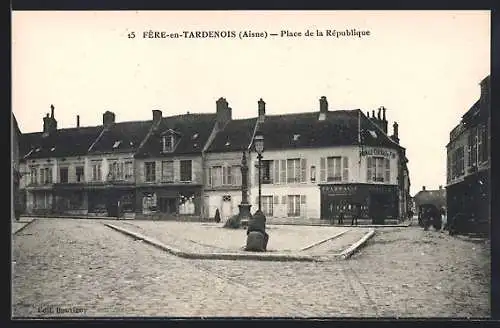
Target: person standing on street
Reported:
[(356, 214), (341, 214)]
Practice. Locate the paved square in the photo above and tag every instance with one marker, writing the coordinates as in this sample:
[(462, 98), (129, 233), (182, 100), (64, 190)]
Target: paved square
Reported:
[(87, 268)]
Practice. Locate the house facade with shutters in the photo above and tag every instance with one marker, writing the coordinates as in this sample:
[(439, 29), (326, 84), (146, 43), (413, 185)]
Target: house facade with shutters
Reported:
[(317, 164), (170, 177), (83, 170), (469, 162), (223, 168)]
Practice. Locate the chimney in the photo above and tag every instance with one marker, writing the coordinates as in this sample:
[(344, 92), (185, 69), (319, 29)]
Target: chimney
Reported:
[(395, 133), (378, 114), (49, 122), (108, 118), (423, 188), (323, 105), (223, 112), (440, 187), (368, 114), (383, 122), (262, 110), (485, 91), (77, 121), (157, 115)]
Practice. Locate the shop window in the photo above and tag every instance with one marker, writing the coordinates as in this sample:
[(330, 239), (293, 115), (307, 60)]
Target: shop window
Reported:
[(186, 205), (293, 205), (63, 175), (80, 174)]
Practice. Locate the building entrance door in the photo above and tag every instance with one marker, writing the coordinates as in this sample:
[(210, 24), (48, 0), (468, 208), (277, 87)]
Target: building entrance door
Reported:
[(227, 208), (376, 210), (168, 205)]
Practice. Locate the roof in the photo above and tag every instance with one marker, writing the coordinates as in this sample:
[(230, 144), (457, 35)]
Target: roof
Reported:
[(236, 136), (63, 142), (434, 197), (193, 129), (305, 130), (121, 137), (15, 125)]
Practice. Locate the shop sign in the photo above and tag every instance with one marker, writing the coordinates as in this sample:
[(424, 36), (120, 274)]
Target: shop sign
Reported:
[(378, 152), (338, 189)]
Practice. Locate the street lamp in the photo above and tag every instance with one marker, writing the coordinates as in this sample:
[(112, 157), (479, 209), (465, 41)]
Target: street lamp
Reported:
[(259, 148), (257, 238)]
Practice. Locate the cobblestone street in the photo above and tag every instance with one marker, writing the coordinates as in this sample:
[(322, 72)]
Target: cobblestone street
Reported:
[(87, 268)]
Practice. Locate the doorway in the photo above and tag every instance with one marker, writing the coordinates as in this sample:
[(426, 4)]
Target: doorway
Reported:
[(226, 208), (168, 205), (376, 210)]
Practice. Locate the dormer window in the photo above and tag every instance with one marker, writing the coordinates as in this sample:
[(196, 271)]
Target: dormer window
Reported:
[(195, 136), (373, 133), (117, 144), (228, 143), (168, 142), (296, 137)]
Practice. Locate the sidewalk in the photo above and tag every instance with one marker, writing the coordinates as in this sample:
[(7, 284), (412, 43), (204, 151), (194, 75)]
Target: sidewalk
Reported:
[(229, 244), (17, 226)]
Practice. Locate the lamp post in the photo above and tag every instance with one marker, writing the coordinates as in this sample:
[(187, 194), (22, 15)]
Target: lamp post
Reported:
[(257, 237), (259, 148)]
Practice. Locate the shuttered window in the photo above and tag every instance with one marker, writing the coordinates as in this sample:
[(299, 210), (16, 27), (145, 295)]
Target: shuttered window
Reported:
[(345, 172), (322, 172), (387, 170), (303, 167)]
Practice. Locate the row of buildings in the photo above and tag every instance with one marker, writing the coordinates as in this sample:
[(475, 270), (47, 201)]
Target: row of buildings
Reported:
[(469, 162), (188, 166)]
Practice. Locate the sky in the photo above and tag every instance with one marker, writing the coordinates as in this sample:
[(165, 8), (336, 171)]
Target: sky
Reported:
[(423, 66)]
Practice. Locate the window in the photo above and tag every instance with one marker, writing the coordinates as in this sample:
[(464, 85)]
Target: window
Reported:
[(167, 171), (376, 169), (267, 171), (457, 165), (80, 174), (186, 168), (226, 175), (215, 176), (334, 169), (236, 175), (63, 175), (267, 205), (116, 170), (472, 147), (283, 171), (187, 205), (150, 173), (168, 143), (387, 170), (34, 175), (482, 148), (294, 205), (293, 170), (96, 171), (45, 175), (313, 173), (345, 167), (129, 170)]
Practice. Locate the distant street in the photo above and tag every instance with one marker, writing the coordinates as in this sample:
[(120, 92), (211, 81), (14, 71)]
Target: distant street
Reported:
[(83, 268)]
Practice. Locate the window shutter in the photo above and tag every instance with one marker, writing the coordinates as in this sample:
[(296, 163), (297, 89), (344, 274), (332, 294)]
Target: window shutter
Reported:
[(209, 177), (345, 172), (322, 169), (276, 200), (387, 170), (277, 171), (283, 171), (283, 200), (303, 167), (369, 173), (302, 199), (224, 175)]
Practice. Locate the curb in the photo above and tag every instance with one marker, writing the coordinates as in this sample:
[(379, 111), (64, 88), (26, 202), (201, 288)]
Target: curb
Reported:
[(324, 240), (23, 227), (354, 247), (216, 256)]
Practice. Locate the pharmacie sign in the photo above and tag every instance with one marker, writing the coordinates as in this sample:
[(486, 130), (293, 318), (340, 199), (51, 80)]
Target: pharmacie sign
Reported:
[(378, 152)]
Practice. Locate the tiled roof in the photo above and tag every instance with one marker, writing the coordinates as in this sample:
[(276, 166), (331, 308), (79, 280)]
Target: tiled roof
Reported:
[(305, 130), (63, 142), (121, 137), (434, 197), (236, 136), (193, 129)]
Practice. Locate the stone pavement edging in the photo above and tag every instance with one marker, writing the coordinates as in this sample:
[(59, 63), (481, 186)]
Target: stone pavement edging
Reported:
[(325, 240), (23, 227), (223, 256), (354, 247)]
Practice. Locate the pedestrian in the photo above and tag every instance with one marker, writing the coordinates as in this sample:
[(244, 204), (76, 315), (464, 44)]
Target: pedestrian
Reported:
[(444, 223), (341, 214), (217, 216), (356, 215)]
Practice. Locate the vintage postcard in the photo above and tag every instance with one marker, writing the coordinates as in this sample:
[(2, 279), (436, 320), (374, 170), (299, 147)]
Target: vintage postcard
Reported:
[(251, 164)]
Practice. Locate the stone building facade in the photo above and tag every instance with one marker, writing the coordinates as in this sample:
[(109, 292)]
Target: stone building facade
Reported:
[(315, 165), (469, 162)]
